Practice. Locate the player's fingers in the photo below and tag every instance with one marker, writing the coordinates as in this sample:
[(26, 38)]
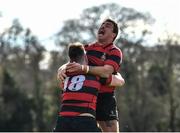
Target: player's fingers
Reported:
[(62, 75), (69, 66), (61, 78)]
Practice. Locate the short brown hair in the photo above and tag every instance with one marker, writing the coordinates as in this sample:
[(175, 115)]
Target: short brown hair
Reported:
[(115, 26), (76, 51)]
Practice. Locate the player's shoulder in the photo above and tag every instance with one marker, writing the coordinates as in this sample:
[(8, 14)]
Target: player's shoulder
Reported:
[(89, 46), (115, 48), (92, 44)]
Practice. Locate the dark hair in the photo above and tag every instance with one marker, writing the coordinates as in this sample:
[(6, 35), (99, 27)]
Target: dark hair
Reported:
[(115, 26), (76, 52)]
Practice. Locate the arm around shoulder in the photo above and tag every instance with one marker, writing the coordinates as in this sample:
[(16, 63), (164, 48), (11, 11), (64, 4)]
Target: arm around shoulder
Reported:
[(102, 71)]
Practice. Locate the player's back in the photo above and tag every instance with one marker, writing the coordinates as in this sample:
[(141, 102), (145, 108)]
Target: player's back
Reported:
[(79, 95)]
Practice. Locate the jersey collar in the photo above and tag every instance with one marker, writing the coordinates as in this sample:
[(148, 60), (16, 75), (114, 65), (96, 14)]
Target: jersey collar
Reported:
[(103, 46)]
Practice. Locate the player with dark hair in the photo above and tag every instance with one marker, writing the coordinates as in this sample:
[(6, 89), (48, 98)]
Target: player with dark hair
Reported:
[(104, 59), (78, 108)]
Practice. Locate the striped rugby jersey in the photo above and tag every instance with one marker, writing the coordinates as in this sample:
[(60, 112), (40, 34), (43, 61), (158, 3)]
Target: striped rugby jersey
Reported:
[(99, 55)]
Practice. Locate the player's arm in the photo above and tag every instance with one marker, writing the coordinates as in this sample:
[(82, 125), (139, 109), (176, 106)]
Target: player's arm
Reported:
[(61, 73), (112, 64), (102, 71), (117, 80), (113, 80)]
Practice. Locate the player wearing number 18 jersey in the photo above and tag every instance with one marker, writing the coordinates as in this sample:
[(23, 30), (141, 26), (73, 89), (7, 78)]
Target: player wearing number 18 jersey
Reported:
[(104, 59), (78, 107)]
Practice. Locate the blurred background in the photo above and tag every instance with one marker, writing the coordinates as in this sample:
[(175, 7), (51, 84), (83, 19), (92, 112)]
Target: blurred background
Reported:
[(34, 35)]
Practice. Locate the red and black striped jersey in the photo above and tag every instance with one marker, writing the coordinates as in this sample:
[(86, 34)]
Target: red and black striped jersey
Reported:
[(100, 55), (80, 94)]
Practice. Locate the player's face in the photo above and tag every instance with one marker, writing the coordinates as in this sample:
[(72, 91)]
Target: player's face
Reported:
[(105, 32)]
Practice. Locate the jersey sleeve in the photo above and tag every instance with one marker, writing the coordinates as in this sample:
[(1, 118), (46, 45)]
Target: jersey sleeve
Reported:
[(114, 58)]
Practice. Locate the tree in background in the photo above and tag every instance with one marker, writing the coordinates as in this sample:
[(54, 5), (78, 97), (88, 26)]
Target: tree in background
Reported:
[(85, 28), (22, 53), (15, 108)]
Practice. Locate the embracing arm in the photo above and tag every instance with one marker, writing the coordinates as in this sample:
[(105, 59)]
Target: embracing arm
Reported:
[(61, 73), (117, 80), (111, 64), (102, 71)]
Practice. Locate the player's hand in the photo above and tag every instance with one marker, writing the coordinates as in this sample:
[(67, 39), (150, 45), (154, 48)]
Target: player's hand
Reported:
[(74, 67), (61, 74)]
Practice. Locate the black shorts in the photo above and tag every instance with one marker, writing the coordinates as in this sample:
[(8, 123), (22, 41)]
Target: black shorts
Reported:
[(76, 124), (106, 107)]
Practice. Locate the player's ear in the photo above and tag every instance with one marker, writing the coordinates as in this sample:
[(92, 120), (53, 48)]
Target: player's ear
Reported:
[(113, 35)]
